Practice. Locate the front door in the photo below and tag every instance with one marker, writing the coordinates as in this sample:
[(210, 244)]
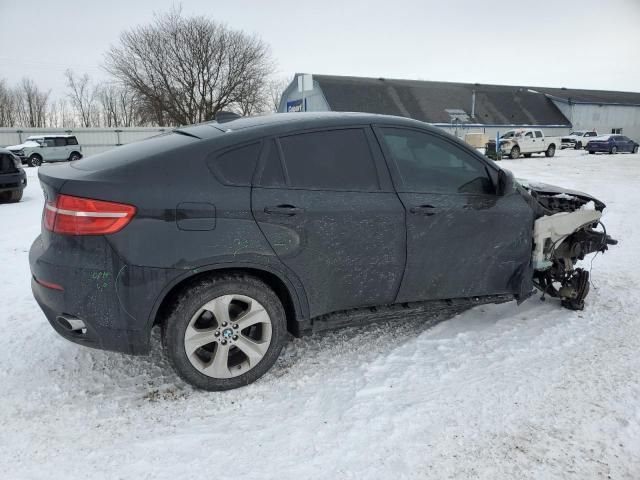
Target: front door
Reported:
[(527, 143), (325, 203), (463, 240)]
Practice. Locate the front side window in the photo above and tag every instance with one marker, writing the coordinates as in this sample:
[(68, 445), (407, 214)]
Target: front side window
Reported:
[(429, 164), (329, 159), (529, 135), (49, 142), (538, 134)]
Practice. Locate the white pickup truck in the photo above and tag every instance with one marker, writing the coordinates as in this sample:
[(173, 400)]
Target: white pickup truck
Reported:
[(523, 141), (578, 139)]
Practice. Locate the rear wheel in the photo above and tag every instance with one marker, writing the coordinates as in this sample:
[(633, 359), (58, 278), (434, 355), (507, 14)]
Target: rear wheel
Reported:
[(635, 149), (11, 197), (515, 152), (74, 156), (551, 151), (613, 150), (225, 332), (35, 160)]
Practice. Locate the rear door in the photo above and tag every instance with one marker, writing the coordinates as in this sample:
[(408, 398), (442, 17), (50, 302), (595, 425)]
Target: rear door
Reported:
[(462, 239), (61, 148), (325, 202), (539, 141)]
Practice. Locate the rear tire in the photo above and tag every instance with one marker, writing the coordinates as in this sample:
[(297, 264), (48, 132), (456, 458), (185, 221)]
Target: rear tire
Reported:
[(35, 160), (551, 151), (635, 149), (74, 156), (613, 150), (515, 153), (210, 340), (11, 197)]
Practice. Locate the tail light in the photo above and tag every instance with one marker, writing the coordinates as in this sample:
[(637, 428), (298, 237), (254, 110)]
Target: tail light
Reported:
[(84, 216)]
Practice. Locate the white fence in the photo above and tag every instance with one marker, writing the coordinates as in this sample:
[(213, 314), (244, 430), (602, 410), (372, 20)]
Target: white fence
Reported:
[(92, 140)]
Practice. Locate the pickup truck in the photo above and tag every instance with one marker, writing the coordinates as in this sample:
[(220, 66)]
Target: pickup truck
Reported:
[(578, 139), (525, 141)]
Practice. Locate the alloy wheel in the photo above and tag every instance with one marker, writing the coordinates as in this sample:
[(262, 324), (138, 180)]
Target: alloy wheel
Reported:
[(228, 336)]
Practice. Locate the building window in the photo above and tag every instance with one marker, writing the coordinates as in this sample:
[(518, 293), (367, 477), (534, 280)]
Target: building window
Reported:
[(616, 131)]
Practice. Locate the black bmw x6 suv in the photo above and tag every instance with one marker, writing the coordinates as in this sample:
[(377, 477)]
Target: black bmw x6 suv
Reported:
[(231, 235)]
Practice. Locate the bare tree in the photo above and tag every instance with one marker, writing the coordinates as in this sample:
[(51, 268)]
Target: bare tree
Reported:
[(31, 104), (82, 95), (275, 89), (8, 105), (185, 70)]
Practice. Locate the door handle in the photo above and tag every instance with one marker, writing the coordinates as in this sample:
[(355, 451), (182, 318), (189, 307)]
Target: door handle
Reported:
[(427, 210), (286, 210)]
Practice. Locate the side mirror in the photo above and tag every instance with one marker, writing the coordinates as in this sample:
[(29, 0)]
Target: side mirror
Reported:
[(505, 182)]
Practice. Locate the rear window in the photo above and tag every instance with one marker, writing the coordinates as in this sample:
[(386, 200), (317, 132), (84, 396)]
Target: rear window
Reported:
[(236, 167), (330, 159), (72, 141)]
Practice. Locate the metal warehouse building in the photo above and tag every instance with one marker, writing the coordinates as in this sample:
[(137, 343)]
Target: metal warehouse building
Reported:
[(462, 108)]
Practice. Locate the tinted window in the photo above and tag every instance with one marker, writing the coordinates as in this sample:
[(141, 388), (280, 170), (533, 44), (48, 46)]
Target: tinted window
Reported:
[(235, 167), (60, 142), (529, 135), (427, 163), (72, 141), (272, 173), (331, 159), (591, 134), (538, 134)]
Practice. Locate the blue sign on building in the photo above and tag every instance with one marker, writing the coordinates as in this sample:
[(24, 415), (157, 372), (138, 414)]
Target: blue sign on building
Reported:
[(296, 105)]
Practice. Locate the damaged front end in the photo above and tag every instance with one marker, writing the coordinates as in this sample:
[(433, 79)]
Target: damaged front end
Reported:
[(567, 228)]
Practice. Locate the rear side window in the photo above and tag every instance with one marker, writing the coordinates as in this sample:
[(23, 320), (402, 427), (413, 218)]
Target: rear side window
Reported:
[(72, 141), (60, 142), (235, 167), (272, 172), (330, 159)]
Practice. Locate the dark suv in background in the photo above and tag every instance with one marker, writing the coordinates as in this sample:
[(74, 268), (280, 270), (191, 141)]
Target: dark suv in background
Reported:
[(229, 235), (13, 180)]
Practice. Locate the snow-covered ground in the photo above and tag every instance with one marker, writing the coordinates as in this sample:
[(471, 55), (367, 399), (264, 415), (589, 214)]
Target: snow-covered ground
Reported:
[(500, 392)]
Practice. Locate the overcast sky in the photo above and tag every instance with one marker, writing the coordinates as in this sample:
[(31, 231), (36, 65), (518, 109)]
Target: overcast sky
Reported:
[(570, 43)]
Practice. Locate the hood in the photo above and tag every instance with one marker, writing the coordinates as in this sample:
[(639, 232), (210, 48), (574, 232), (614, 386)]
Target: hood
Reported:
[(552, 196), (23, 145)]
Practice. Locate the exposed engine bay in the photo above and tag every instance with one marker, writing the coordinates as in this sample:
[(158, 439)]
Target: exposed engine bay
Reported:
[(566, 229)]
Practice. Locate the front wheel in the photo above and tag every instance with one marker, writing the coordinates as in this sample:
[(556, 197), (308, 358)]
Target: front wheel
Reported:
[(613, 150), (551, 151), (515, 153), (635, 149), (225, 332), (35, 160), (578, 146)]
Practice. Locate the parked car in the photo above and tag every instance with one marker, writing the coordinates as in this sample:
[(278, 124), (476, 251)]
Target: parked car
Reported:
[(38, 149), (523, 141), (578, 139), (230, 235), (12, 177), (612, 144)]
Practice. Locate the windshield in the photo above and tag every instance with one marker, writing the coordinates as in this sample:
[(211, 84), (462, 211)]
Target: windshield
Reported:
[(577, 134), (39, 140), (509, 134)]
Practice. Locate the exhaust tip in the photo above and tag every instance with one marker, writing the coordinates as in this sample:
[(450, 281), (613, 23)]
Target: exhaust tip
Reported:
[(71, 324)]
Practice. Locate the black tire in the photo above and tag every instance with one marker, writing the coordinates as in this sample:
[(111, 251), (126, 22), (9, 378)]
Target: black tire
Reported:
[(551, 151), (515, 153), (613, 150), (578, 146), (74, 156), (11, 197), (635, 149), (527, 155), (35, 160), (195, 296)]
